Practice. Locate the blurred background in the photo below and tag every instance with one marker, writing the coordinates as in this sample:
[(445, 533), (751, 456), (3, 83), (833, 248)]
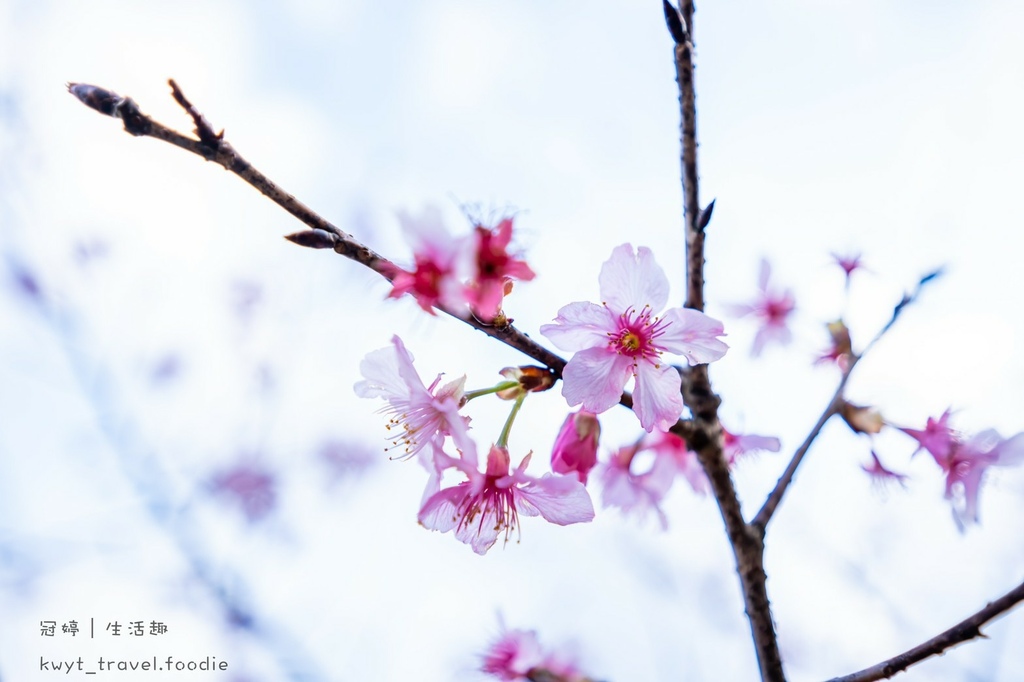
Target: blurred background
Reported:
[(179, 438)]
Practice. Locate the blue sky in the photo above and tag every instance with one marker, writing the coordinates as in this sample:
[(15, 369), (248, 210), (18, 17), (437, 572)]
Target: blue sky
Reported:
[(882, 127)]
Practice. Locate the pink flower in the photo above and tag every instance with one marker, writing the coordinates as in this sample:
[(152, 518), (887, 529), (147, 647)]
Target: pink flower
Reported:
[(433, 280), (623, 337), (965, 461), (880, 475), (640, 492), (849, 263), (575, 448), (489, 503), (513, 656), (841, 350), (965, 467), (936, 437), (420, 414), (735, 446), (772, 308), (493, 269), (517, 655), (250, 486)]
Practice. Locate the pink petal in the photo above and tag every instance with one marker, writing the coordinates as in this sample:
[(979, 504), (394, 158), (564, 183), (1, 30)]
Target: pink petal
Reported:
[(580, 325), (633, 281), (561, 500), (441, 511), (595, 378), (1010, 452), (656, 398), (693, 334)]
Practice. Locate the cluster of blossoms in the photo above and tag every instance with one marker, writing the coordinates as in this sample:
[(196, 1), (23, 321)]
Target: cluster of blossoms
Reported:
[(474, 271), (485, 503), (624, 338)]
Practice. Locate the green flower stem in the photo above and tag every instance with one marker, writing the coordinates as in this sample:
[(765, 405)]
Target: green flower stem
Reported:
[(503, 386), (507, 429)]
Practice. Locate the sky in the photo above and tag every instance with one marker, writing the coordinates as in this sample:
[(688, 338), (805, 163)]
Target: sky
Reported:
[(177, 346)]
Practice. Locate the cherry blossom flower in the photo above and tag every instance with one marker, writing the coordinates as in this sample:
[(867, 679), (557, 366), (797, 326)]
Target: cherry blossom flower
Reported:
[(849, 263), (638, 493), (420, 414), (880, 475), (936, 437), (434, 279), (250, 486), (493, 269), (964, 461), (624, 337), (735, 446), (966, 465), (772, 308), (489, 503), (575, 449), (517, 655)]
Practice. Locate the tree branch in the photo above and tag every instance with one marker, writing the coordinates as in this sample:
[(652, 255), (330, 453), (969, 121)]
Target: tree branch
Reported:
[(965, 630), (213, 147), (706, 436), (760, 521)]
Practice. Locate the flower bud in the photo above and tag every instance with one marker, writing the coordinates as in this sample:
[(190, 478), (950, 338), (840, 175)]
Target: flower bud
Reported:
[(576, 446), (862, 419), (530, 378)]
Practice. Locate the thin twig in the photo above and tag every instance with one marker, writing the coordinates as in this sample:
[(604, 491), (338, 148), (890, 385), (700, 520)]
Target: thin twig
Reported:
[(213, 147), (760, 521), (965, 630), (706, 436)]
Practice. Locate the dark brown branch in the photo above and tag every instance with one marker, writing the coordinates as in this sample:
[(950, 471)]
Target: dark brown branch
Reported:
[(706, 436), (760, 521), (213, 147), (964, 631)]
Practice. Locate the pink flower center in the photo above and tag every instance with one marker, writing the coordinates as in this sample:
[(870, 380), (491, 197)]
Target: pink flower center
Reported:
[(493, 504), (637, 333)]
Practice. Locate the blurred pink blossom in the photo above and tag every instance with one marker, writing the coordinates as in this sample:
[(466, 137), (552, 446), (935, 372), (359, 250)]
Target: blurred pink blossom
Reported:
[(517, 656), (575, 449), (735, 446), (965, 460), (493, 269), (880, 475), (624, 337), (936, 437), (849, 264), (636, 492), (434, 279), (772, 308), (248, 485), (489, 503), (419, 414)]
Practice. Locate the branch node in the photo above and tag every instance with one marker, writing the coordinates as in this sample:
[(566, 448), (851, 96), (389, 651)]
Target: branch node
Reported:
[(705, 216), (203, 128), (674, 22)]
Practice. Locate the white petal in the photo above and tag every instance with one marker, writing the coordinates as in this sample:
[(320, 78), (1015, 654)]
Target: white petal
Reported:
[(595, 377), (580, 325), (693, 334), (633, 281), (559, 499), (380, 367), (656, 398)]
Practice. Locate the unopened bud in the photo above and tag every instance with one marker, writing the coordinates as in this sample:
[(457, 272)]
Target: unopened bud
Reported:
[(314, 239), (531, 379), (862, 419)]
